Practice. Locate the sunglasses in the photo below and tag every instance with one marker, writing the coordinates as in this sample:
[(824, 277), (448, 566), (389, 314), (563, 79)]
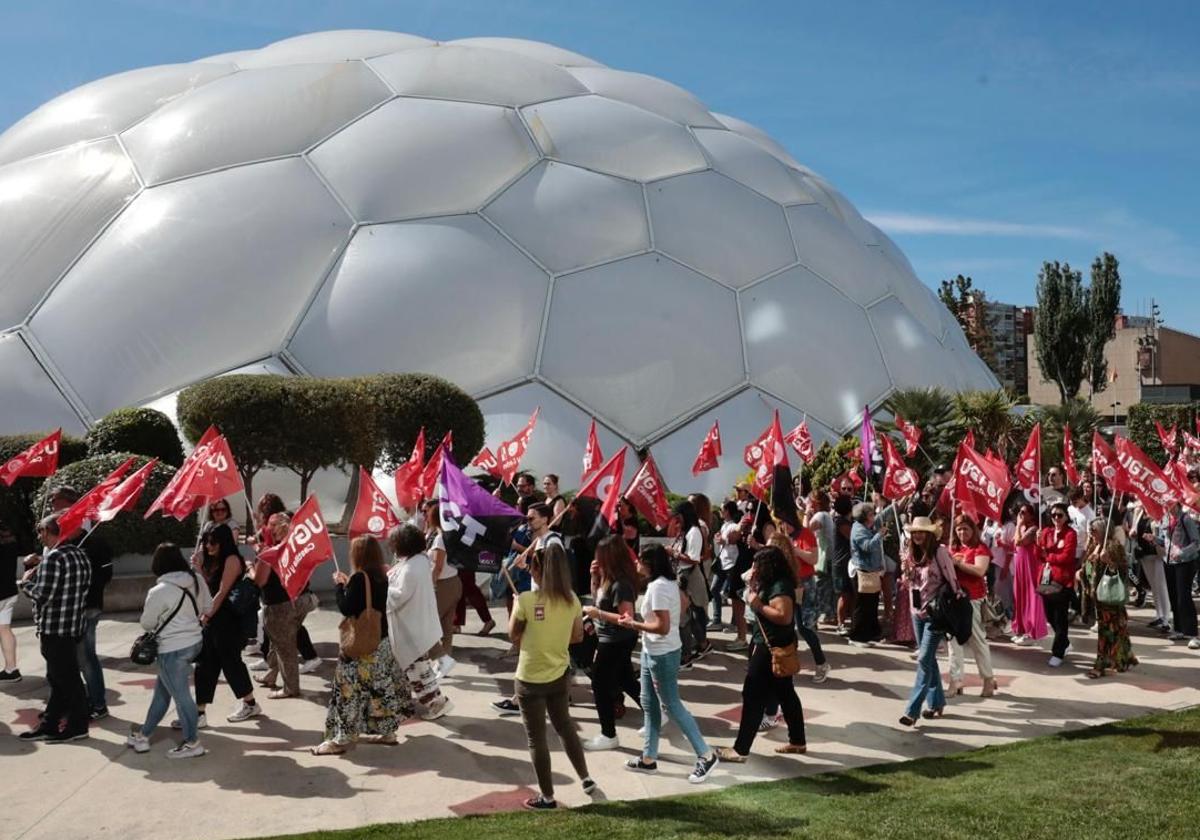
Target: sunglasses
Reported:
[(1058, 516)]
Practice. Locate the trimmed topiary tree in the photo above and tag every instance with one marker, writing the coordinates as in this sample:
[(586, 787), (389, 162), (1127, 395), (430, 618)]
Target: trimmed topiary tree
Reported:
[(404, 402), (140, 430), (128, 533), (16, 502), (324, 426)]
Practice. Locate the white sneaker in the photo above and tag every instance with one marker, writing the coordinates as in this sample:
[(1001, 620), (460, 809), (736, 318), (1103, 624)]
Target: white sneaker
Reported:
[(187, 749), (1055, 662), (821, 673), (1019, 640), (438, 708), (1194, 644), (258, 665), (446, 665), (310, 665), (601, 742), (768, 723), (1068, 650), (244, 711), (139, 742), (201, 722)]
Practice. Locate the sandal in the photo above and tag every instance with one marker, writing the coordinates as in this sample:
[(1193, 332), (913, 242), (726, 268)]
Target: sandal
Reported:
[(328, 748), (1095, 674), (730, 755), (271, 685), (930, 714), (792, 749)]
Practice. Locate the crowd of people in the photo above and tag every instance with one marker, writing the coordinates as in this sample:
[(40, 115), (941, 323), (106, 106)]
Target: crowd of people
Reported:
[(627, 608)]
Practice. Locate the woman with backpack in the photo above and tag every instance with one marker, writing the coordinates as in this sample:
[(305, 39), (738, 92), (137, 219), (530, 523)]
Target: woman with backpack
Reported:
[(371, 697), (172, 612), (927, 564)]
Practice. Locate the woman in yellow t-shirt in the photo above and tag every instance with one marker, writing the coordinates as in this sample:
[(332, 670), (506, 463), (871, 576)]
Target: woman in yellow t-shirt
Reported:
[(543, 623)]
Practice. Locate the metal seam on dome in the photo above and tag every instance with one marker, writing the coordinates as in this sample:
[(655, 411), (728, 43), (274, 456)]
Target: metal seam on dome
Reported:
[(315, 292), (495, 225), (646, 211), (22, 337), (812, 415), (391, 97), (133, 167), (223, 168), (717, 400), (641, 252), (695, 270), (355, 222), (56, 377), (504, 387), (588, 411), (499, 191)]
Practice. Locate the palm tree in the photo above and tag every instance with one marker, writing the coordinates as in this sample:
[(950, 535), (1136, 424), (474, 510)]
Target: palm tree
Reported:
[(1083, 419), (932, 409), (989, 415)]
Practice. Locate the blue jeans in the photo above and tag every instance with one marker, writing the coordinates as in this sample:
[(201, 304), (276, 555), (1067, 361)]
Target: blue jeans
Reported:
[(660, 687), (928, 684), (174, 676), (89, 662)]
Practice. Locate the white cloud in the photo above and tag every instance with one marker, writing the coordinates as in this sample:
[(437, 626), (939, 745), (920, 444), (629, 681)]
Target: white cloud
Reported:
[(912, 223)]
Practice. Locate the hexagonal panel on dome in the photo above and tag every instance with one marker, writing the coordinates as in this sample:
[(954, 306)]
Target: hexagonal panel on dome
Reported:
[(398, 296), (863, 230), (654, 95), (194, 278), (913, 355), (531, 49), (825, 245), (812, 347), (250, 116), (613, 137), (53, 206), (749, 163), (642, 340), (569, 217), (758, 136), (105, 106), (475, 74), (719, 227), (32, 401), (914, 294), (234, 57), (414, 158), (336, 45)]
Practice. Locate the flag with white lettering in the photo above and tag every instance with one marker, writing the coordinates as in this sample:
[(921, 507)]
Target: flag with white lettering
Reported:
[(1029, 465), (125, 495), (648, 494), (899, 480), (980, 484), (605, 484), (487, 462), (1146, 480), (306, 546), (710, 451), (38, 461), (800, 439), (1168, 437), (72, 519), (512, 451), (592, 456), (912, 435), (373, 514), (169, 501), (475, 524)]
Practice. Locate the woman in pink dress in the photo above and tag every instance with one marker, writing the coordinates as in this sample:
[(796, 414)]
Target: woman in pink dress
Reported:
[(1029, 616)]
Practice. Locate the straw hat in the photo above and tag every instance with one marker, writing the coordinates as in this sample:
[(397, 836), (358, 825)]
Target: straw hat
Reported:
[(923, 523)]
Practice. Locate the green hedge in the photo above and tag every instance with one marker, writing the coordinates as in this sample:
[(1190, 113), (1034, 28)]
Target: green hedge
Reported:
[(1141, 425), (141, 430), (16, 502), (128, 533), (404, 402)]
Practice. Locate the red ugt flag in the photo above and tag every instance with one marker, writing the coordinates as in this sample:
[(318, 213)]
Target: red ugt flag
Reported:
[(168, 500), (1029, 465), (605, 484), (1168, 437), (1105, 465), (215, 476), (1069, 455), (900, 480), (592, 456), (1145, 479), (306, 546), (428, 479), (408, 475), (125, 495), (512, 451), (980, 484), (487, 462), (648, 494), (773, 455), (38, 461), (912, 435), (373, 514), (72, 519), (710, 450), (800, 439)]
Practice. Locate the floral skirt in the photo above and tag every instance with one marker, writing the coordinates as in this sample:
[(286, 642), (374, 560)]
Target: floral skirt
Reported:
[(371, 696), (1113, 648)]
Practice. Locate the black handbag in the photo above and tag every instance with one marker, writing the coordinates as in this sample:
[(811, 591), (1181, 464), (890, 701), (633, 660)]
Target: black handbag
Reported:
[(145, 647), (1047, 585), (244, 600), (951, 613)]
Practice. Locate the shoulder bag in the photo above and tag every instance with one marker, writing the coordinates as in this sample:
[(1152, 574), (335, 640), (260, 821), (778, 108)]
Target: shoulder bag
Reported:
[(145, 647), (1110, 591), (1047, 585), (360, 634), (785, 660), (950, 612), (869, 582)]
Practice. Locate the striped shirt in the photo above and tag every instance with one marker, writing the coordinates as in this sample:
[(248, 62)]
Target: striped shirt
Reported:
[(58, 590)]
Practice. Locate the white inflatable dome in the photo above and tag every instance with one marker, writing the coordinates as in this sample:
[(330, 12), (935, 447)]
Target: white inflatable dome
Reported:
[(528, 223)]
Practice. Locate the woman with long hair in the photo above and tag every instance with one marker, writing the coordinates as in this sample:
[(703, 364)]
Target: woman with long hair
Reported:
[(1107, 558), (222, 566), (1029, 616), (543, 624), (686, 551), (1056, 577), (627, 524), (927, 564), (370, 697), (172, 610), (446, 587), (413, 626), (660, 665), (220, 513), (971, 560), (727, 582), (614, 590)]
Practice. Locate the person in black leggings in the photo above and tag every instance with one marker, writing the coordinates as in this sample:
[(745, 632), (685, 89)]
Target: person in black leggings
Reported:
[(614, 589), (222, 566)]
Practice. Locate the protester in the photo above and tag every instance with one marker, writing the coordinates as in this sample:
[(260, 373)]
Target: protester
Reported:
[(1056, 544), (1029, 615), (1105, 554), (927, 564), (543, 624), (412, 619), (1081, 515), (1181, 545), (283, 619), (802, 548), (474, 598), (822, 525), (660, 665), (172, 612), (526, 494), (446, 587), (627, 524), (866, 568), (771, 598), (9, 555), (58, 588), (971, 560), (370, 697), (220, 513), (726, 540), (686, 551), (554, 499), (222, 567), (1146, 551), (843, 583), (613, 590)]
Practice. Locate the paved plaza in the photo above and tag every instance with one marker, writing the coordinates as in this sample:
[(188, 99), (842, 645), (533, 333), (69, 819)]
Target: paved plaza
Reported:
[(260, 779)]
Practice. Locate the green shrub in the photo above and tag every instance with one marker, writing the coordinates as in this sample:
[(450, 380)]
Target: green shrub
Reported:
[(1083, 419), (141, 430), (16, 502), (1144, 434), (325, 426), (128, 533), (404, 402), (832, 461)]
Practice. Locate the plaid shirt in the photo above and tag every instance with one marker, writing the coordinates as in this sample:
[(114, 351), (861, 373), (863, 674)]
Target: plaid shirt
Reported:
[(58, 590)]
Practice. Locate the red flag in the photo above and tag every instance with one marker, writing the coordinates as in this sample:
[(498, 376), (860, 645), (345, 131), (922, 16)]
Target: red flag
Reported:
[(592, 456), (512, 451), (72, 519), (1191, 442), (1177, 473), (373, 514), (408, 475), (980, 485), (305, 547), (38, 461), (605, 484), (1029, 465), (912, 435), (166, 499), (428, 479), (213, 476), (487, 462), (648, 494), (899, 479), (774, 454), (752, 454), (1168, 438), (969, 439), (1069, 465), (710, 450), (125, 495), (801, 440), (1105, 465), (1145, 480)]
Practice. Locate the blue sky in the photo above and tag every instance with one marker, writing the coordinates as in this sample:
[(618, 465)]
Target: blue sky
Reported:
[(984, 137)]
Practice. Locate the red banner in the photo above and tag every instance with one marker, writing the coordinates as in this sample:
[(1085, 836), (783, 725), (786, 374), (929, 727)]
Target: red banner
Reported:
[(38, 461), (899, 480), (408, 475), (980, 484), (648, 494), (605, 484), (1070, 466), (72, 519), (306, 546), (373, 515), (214, 475), (428, 478), (710, 451), (912, 435), (752, 454), (512, 451), (592, 456), (125, 495), (800, 439), (167, 500), (1145, 480), (773, 454), (1168, 438), (1191, 442), (487, 462), (1029, 465), (1105, 465)]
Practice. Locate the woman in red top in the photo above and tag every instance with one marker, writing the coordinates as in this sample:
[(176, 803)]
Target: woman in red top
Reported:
[(1057, 577), (971, 561)]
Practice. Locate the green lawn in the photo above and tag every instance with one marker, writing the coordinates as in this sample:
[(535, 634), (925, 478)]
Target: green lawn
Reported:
[(1131, 780)]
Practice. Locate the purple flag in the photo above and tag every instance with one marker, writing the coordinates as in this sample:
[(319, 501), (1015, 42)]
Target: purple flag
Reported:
[(475, 524), (866, 441)]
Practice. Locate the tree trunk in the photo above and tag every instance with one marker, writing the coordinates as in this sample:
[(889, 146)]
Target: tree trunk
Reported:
[(305, 478)]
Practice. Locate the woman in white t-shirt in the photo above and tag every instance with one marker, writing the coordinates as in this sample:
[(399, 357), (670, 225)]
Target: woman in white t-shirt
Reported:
[(447, 588), (660, 665), (726, 582)]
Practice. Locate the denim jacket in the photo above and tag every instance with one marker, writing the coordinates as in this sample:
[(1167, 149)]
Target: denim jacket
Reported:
[(866, 549)]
